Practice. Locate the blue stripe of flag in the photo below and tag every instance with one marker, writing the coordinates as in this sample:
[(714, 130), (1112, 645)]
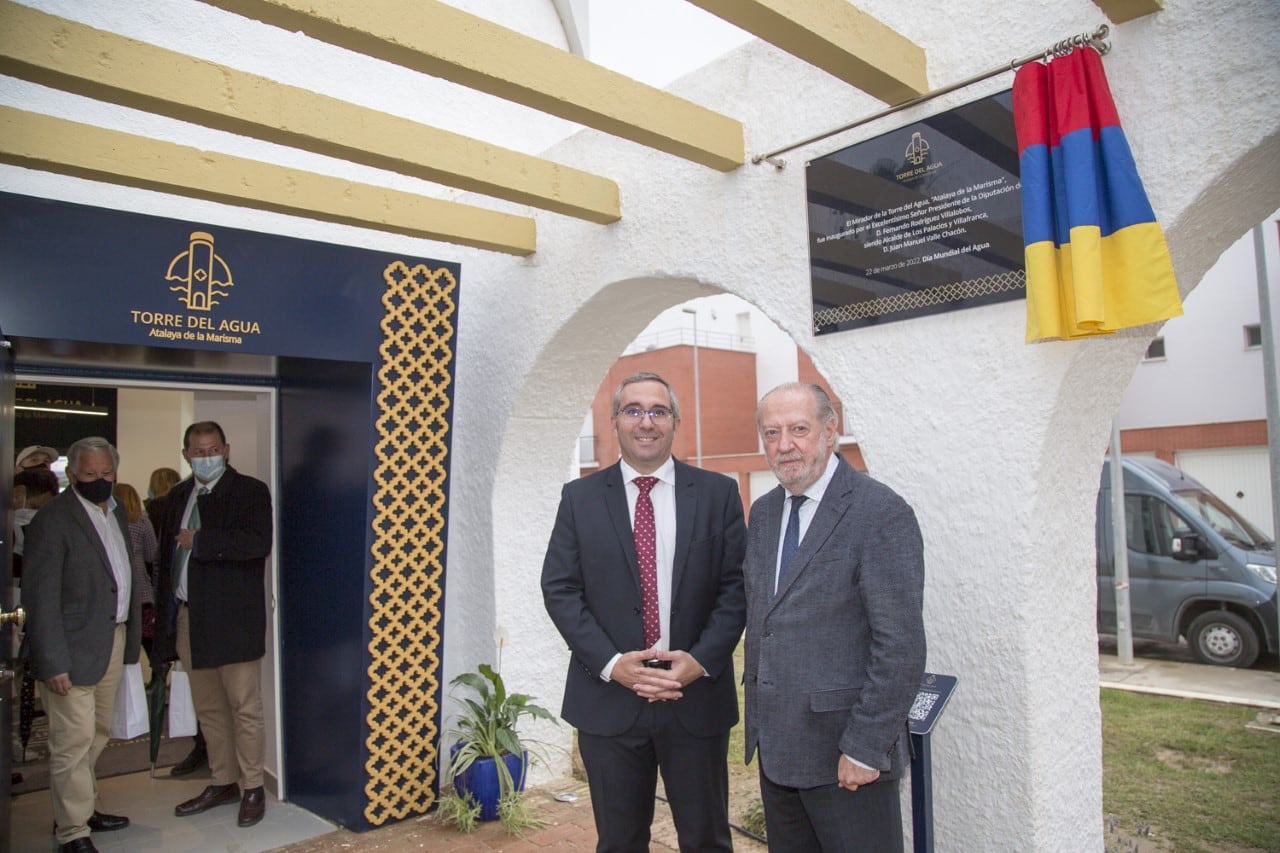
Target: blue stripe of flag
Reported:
[(1086, 181)]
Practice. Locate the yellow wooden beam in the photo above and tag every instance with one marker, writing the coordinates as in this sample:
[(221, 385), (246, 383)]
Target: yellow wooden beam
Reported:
[(837, 37), (37, 141), (1120, 11), (76, 58), (437, 39)]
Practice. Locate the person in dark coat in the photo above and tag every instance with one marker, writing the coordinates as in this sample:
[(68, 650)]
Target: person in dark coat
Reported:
[(216, 533)]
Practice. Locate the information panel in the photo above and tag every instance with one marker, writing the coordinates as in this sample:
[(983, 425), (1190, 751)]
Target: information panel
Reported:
[(919, 220)]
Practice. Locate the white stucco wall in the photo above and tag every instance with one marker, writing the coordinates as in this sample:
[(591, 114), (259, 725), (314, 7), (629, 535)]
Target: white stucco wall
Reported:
[(994, 442)]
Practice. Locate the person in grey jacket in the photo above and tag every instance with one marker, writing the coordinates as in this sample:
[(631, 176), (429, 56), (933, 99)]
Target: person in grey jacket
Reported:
[(84, 622), (835, 643)]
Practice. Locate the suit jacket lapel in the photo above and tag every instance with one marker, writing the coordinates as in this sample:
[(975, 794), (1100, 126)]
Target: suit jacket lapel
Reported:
[(615, 500), (88, 529), (686, 505)]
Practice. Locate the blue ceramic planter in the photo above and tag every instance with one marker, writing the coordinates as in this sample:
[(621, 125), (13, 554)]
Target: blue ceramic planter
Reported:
[(481, 781)]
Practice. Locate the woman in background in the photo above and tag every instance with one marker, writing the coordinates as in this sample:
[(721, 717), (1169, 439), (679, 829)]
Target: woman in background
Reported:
[(142, 554), (162, 480)]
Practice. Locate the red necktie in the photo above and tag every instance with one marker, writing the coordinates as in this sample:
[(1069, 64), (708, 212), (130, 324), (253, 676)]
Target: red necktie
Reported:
[(647, 553)]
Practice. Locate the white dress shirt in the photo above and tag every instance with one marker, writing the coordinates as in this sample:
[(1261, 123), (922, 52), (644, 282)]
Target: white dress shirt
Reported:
[(117, 551), (814, 496), (663, 497)]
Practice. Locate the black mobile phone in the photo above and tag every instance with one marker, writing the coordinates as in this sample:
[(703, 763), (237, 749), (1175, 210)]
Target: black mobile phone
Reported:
[(658, 664)]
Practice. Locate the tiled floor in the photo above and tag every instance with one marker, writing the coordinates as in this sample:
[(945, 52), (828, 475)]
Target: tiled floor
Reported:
[(149, 805)]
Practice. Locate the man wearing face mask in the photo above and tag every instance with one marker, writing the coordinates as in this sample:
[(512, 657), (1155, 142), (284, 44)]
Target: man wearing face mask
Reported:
[(84, 621), (215, 536)]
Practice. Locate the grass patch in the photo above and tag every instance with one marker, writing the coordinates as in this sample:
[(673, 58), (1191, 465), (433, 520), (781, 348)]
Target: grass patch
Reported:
[(1191, 770)]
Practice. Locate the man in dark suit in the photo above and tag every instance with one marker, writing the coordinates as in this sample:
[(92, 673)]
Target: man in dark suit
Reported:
[(215, 537), (835, 645), (84, 623), (643, 578)]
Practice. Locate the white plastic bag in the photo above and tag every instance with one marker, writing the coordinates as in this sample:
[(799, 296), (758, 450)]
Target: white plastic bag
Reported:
[(182, 711), (130, 718)]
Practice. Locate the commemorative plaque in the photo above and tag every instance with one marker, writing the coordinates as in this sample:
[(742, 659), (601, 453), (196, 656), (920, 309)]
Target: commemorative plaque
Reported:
[(917, 221)]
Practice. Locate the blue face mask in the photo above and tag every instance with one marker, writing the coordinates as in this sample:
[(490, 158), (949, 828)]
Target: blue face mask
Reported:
[(208, 468)]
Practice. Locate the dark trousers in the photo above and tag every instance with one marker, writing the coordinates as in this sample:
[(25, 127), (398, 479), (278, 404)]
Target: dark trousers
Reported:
[(831, 819), (622, 772)]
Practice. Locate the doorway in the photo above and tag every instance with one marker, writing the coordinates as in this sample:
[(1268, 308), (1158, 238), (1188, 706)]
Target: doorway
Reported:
[(145, 419)]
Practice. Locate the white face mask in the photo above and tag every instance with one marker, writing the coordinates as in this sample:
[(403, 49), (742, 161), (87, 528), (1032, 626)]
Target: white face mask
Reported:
[(207, 468)]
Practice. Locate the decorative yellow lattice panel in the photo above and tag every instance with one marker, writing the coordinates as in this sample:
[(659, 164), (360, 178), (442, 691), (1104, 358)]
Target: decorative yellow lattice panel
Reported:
[(416, 376)]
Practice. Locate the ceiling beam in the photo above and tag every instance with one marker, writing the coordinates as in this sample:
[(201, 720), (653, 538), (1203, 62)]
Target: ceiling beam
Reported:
[(434, 38), (37, 141), (107, 67), (837, 37), (1120, 11)]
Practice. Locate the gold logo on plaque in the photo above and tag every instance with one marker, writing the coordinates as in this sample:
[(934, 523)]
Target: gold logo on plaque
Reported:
[(201, 274), (917, 149)]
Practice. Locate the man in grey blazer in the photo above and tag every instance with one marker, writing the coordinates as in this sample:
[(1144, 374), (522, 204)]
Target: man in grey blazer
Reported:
[(835, 645), (84, 622), (650, 683)]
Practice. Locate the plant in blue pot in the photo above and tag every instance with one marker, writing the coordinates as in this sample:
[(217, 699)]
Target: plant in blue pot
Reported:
[(490, 761)]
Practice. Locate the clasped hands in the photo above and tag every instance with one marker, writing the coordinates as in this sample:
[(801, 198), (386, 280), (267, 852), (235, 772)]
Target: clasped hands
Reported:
[(657, 685), (186, 538)]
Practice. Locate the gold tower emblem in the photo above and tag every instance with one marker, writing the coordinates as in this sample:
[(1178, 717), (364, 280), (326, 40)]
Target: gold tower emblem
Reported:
[(201, 274), (917, 149)]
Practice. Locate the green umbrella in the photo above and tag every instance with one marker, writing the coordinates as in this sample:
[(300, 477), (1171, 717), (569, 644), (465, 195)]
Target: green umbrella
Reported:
[(157, 702)]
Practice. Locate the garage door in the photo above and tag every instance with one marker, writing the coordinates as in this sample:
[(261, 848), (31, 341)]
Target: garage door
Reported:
[(1241, 476)]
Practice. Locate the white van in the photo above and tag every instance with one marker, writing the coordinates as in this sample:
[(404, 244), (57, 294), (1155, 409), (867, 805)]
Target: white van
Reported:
[(1196, 568)]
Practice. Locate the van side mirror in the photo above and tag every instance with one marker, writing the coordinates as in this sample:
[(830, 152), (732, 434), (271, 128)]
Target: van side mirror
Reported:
[(1191, 546)]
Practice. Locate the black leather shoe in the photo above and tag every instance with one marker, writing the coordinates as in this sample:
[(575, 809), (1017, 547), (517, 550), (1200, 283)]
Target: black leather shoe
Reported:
[(196, 758), (252, 807), (78, 845), (214, 795), (100, 822)]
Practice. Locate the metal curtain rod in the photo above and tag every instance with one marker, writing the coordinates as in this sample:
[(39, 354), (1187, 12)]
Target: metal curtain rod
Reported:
[(1093, 39)]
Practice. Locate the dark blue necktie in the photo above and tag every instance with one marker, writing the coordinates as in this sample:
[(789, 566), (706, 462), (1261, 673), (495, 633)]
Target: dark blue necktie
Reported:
[(791, 539)]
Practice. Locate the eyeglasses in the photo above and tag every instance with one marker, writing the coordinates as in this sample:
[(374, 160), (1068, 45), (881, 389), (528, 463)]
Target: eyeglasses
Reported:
[(658, 415)]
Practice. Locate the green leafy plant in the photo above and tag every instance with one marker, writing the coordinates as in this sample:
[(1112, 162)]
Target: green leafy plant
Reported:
[(753, 818), (487, 727), (462, 812)]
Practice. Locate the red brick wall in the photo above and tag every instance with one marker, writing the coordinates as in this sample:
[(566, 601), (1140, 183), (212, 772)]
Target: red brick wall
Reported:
[(806, 372), (727, 387), (1166, 441)]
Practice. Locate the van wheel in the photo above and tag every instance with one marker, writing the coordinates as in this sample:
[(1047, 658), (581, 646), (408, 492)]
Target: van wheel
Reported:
[(1222, 638)]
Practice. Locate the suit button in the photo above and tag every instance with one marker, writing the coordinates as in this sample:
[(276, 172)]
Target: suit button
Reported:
[(635, 610)]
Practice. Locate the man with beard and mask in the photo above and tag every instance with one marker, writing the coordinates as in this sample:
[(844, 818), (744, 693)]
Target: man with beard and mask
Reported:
[(835, 642), (215, 536), (84, 622)]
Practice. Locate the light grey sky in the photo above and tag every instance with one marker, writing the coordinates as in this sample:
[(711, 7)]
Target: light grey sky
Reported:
[(656, 41)]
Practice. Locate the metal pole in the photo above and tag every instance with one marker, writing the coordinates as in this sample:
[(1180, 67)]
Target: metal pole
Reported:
[(697, 391), (1120, 549), (921, 794), (1269, 379), (1094, 39)]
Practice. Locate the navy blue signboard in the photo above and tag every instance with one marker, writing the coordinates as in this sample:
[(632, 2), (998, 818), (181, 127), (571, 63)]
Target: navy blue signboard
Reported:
[(932, 697), (169, 283), (917, 221)]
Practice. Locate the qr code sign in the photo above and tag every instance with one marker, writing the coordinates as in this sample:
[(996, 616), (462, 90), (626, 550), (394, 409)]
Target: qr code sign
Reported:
[(922, 706)]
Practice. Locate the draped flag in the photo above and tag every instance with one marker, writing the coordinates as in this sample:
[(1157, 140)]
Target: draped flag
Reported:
[(1096, 258)]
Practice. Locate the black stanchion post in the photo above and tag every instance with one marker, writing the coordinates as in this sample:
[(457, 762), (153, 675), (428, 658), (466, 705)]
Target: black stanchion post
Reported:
[(935, 690)]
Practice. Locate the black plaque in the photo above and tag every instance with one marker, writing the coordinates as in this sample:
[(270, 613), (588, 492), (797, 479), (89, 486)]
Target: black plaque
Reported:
[(920, 220), (932, 697)]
